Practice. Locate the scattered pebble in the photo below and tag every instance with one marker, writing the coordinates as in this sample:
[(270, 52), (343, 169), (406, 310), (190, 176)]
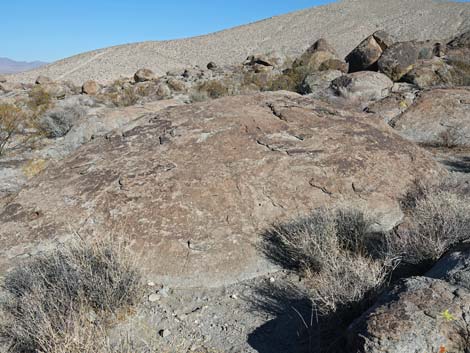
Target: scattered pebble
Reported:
[(272, 280), (164, 333), (234, 296), (151, 284), (164, 292), (154, 298)]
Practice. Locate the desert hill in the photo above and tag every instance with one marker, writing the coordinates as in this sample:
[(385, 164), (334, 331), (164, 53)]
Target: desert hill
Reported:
[(344, 24)]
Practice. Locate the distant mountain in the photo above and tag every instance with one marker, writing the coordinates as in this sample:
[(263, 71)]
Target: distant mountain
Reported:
[(8, 66)]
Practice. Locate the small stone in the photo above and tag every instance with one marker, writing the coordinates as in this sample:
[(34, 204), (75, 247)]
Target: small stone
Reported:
[(151, 284), (272, 280), (164, 292), (212, 65), (234, 296), (164, 333), (163, 91), (92, 316), (154, 298)]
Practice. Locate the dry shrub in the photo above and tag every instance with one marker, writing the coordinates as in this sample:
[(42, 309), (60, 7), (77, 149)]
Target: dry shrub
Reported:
[(125, 98), (449, 138), (332, 248), (39, 100), (119, 94), (61, 301), (438, 220), (198, 96), (59, 121), (214, 88), (266, 81), (10, 119)]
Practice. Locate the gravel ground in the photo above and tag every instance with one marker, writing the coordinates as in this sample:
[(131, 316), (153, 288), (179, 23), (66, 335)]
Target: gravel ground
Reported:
[(260, 315), (344, 23)]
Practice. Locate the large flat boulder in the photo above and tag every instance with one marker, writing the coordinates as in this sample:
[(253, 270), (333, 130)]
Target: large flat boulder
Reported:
[(194, 186), (439, 117)]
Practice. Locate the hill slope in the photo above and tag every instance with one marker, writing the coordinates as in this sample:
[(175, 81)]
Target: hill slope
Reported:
[(344, 23)]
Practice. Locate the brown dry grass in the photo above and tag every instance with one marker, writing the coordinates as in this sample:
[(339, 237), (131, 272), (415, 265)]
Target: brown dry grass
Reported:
[(10, 119), (64, 300), (439, 219), (332, 249)]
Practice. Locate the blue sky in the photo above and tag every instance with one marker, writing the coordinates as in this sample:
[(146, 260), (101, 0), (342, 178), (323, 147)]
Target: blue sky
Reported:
[(49, 30)]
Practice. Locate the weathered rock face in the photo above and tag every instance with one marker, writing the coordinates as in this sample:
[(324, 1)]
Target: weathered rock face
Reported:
[(461, 41), (3, 79), (363, 86), (429, 73), (90, 87), (334, 64), (398, 60), (422, 314), (368, 52), (40, 80), (194, 186), (313, 58), (144, 75), (321, 45), (391, 107), (453, 268), (458, 56), (272, 59), (55, 89), (439, 117), (411, 318), (319, 82)]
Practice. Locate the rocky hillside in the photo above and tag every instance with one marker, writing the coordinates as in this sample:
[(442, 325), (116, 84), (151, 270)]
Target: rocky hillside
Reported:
[(344, 24), (316, 203)]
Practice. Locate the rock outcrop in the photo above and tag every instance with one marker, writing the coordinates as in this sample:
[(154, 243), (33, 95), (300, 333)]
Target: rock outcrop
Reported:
[(91, 87), (369, 51), (194, 186), (143, 75), (421, 314), (362, 86), (439, 117)]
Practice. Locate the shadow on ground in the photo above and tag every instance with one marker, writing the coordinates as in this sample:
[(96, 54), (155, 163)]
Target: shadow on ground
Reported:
[(296, 326), (459, 164), (290, 330)]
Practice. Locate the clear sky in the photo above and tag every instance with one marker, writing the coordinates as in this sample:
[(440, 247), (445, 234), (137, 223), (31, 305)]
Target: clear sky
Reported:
[(49, 30)]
